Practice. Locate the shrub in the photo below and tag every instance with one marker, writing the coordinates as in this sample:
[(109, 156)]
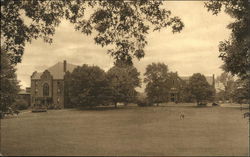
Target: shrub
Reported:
[(144, 103), (1, 115), (202, 104), (215, 104), (21, 104)]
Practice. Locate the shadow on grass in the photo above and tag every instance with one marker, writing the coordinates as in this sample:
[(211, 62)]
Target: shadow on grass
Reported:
[(105, 108), (129, 107)]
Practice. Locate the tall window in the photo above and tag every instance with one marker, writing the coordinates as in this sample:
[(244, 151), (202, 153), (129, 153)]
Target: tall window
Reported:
[(58, 88), (46, 89)]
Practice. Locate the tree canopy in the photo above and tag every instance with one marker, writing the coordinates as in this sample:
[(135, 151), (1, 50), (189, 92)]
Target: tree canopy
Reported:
[(235, 51), (200, 89), (228, 84), (120, 23), (9, 84), (241, 91), (87, 86), (123, 80), (156, 77)]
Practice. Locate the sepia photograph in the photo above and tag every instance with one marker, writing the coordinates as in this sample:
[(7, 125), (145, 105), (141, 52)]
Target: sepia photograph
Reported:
[(125, 78)]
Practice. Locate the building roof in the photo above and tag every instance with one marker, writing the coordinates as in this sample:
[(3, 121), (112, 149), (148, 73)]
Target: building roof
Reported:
[(56, 71)]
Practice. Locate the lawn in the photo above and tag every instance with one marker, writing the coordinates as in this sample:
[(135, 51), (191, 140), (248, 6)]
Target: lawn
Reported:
[(128, 131)]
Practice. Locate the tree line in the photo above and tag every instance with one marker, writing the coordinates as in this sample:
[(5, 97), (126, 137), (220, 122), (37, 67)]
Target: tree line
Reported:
[(91, 86)]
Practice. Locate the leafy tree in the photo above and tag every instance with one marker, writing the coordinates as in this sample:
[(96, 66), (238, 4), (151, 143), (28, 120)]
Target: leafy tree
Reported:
[(200, 89), (21, 104), (235, 51), (156, 77), (186, 94), (242, 90), (9, 83), (87, 86), (228, 83), (123, 24), (124, 79)]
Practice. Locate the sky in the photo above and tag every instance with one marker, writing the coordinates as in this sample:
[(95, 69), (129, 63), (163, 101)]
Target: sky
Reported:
[(194, 50)]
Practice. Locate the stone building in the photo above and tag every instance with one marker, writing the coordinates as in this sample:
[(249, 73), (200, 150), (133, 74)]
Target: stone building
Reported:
[(47, 87)]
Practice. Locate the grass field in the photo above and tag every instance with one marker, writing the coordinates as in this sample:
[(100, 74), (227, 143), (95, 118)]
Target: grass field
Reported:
[(128, 131)]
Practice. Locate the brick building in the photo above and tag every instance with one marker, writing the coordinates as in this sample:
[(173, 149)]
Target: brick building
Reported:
[(47, 87), (177, 83)]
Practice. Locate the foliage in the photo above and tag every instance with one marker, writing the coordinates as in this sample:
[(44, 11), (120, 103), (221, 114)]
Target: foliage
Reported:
[(186, 94), (200, 88), (21, 104), (229, 85), (123, 79), (9, 83), (88, 86), (123, 24), (202, 104), (144, 103), (156, 77), (235, 51), (242, 90)]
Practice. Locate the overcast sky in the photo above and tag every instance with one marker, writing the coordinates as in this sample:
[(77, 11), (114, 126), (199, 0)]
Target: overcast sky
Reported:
[(193, 50)]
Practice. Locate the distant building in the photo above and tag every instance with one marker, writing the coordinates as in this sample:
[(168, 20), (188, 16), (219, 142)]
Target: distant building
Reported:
[(47, 87), (177, 83)]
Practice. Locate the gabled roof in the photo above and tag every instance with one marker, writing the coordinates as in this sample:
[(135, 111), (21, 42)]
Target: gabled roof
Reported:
[(56, 71)]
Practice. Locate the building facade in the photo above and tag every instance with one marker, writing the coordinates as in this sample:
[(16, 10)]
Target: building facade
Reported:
[(47, 87), (177, 83)]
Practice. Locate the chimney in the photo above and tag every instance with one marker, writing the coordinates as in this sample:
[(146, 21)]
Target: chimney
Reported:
[(64, 66)]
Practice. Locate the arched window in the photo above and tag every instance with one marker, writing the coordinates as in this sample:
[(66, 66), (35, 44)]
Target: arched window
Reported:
[(46, 89)]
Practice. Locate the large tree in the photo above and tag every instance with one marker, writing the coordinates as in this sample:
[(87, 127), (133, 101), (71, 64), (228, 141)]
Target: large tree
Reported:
[(120, 23), (241, 93), (8, 81), (235, 52), (228, 82), (200, 89), (156, 78), (123, 80), (87, 86)]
